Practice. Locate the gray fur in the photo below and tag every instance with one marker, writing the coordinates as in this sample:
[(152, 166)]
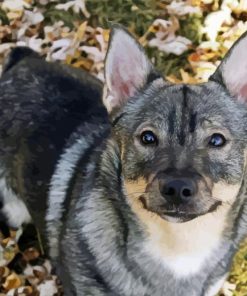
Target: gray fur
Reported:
[(106, 228), (178, 114), (100, 246)]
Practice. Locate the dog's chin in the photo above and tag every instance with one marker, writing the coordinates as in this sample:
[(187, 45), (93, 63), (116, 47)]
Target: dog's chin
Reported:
[(178, 217), (182, 217)]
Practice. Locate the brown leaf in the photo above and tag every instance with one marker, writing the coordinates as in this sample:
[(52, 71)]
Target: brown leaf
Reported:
[(4, 272), (40, 272), (30, 254), (10, 252), (13, 281)]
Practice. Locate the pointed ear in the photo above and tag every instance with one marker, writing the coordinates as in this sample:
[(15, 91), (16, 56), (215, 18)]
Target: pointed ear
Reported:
[(232, 71), (127, 69)]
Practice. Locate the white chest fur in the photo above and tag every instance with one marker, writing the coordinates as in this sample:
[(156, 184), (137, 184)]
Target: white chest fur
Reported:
[(182, 265), (182, 247)]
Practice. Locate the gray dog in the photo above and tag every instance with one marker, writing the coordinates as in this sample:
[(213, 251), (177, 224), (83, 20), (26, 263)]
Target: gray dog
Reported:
[(151, 201)]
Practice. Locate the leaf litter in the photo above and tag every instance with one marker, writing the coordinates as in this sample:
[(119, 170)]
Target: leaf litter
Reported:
[(186, 41)]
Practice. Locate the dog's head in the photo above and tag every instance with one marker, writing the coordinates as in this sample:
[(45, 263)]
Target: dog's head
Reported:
[(182, 146)]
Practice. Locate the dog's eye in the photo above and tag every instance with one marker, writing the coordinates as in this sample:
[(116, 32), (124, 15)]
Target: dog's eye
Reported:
[(148, 137), (217, 140)]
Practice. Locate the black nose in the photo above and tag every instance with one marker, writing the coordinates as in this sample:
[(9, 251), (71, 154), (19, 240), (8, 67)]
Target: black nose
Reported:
[(178, 191)]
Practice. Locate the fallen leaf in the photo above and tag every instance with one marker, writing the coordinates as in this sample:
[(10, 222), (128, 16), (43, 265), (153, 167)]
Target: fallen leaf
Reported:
[(13, 281), (47, 288), (76, 5), (181, 8), (30, 254)]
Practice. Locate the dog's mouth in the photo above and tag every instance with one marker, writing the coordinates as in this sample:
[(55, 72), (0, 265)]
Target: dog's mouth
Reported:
[(177, 215)]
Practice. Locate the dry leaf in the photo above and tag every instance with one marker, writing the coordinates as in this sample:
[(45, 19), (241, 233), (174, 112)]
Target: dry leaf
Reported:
[(4, 272), (30, 254), (13, 281), (14, 5), (48, 288), (76, 5), (181, 8)]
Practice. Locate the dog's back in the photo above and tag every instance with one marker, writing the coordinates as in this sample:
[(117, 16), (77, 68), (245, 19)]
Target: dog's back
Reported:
[(41, 105)]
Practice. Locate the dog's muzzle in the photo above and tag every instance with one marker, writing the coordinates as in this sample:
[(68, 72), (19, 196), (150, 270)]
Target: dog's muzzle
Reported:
[(179, 196)]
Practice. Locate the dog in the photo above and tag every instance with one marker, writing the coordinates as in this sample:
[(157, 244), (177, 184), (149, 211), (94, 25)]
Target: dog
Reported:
[(148, 198)]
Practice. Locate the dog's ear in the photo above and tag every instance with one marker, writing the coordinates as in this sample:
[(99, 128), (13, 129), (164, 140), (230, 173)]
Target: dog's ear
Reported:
[(127, 68), (232, 72)]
